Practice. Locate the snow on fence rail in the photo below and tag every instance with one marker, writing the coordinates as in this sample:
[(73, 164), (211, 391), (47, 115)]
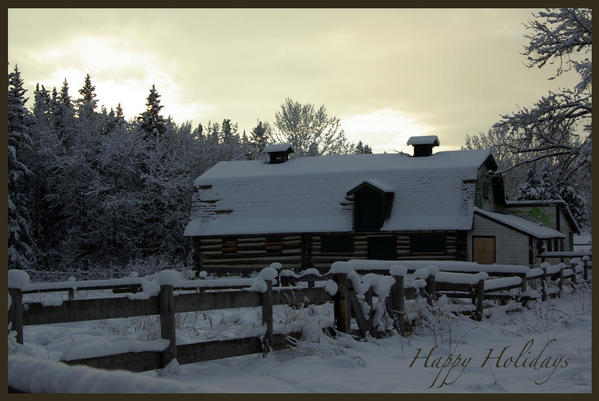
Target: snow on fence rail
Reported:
[(351, 293), (166, 303)]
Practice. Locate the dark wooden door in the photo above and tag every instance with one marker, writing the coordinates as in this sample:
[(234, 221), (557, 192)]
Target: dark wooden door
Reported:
[(483, 250), (382, 248)]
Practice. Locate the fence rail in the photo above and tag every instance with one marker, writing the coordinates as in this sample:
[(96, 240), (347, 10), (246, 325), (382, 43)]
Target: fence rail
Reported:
[(166, 304), (348, 303)]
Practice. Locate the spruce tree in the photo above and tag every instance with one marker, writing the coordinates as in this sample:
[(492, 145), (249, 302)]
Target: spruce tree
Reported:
[(87, 104), (20, 240), (151, 122), (259, 138)]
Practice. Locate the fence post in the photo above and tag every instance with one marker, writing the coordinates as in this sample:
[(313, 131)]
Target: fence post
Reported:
[(544, 284), (167, 323), (430, 289), (267, 317), (368, 299), (341, 304), (523, 286), (15, 314), (480, 296), (398, 303), (560, 283)]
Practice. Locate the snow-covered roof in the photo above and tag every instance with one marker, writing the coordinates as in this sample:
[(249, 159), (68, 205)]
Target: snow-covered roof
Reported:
[(279, 147), (424, 140), (526, 226), (546, 202), (308, 194)]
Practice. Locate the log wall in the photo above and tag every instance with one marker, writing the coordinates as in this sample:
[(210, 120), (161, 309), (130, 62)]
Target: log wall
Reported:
[(302, 251)]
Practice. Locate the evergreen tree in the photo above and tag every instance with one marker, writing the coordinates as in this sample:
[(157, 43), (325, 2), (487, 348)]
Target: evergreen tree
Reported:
[(20, 240), (259, 138), (151, 122), (362, 148), (87, 103), (64, 116)]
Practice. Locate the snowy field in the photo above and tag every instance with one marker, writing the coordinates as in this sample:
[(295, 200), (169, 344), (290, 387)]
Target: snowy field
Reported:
[(545, 347)]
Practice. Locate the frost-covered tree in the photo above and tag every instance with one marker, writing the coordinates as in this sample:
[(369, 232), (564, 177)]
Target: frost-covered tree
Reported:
[(538, 186), (151, 122), (20, 239), (310, 130), (556, 128), (559, 124), (63, 116)]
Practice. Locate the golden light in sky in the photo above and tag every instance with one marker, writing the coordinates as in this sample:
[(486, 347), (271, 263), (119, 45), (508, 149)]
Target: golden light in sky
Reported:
[(388, 74)]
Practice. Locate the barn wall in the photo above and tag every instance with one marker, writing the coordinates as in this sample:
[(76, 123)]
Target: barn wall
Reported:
[(566, 228), (215, 253), (511, 246), (301, 251)]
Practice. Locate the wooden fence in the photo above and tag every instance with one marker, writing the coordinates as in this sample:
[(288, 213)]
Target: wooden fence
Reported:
[(346, 304), (166, 304)]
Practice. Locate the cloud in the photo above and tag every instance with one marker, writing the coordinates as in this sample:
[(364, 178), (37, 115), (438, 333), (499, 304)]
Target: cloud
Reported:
[(121, 72), (384, 129)]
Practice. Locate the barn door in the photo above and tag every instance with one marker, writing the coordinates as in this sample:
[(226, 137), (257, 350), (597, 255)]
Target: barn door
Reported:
[(483, 250)]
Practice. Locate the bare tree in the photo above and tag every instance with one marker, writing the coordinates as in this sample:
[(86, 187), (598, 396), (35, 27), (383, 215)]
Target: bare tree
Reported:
[(310, 130), (555, 133)]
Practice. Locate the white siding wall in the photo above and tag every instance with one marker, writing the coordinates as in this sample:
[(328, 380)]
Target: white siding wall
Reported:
[(564, 226), (511, 246)]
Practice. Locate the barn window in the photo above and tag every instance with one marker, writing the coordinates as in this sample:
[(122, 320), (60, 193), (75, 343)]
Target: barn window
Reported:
[(486, 188), (372, 205), (274, 245), (230, 246), (427, 243), (337, 244), (382, 248)]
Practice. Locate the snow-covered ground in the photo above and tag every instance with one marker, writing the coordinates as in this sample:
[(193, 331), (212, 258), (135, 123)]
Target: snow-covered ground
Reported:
[(546, 348)]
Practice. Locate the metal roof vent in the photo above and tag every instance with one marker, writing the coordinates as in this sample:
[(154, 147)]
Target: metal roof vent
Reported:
[(278, 153), (423, 145)]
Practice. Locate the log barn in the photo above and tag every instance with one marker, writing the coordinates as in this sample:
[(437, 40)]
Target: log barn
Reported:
[(307, 212)]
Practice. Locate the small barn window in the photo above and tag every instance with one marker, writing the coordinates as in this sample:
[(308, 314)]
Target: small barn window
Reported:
[(230, 246), (337, 244), (427, 243), (274, 245)]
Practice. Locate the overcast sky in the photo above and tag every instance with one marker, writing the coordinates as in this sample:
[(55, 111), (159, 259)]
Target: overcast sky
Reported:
[(387, 74)]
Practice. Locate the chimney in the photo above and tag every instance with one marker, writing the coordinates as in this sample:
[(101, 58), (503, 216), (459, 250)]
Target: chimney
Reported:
[(278, 153), (423, 145)]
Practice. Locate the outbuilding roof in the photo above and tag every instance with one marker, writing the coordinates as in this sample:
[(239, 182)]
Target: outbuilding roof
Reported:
[(309, 194), (526, 226)]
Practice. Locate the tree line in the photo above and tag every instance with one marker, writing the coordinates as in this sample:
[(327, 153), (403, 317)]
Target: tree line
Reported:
[(87, 188)]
